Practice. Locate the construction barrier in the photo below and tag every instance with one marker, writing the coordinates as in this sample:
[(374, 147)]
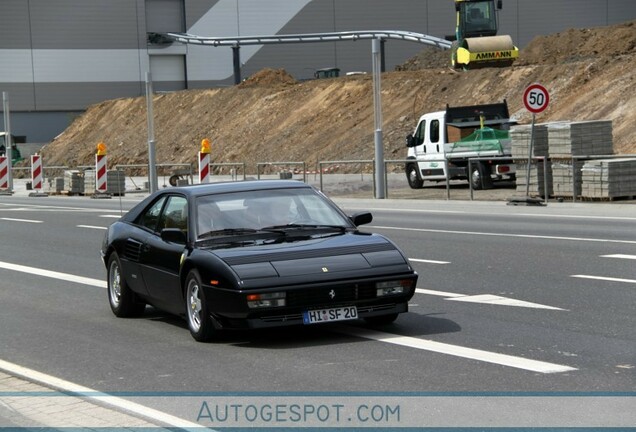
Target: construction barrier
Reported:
[(37, 176), (204, 161), (100, 169), (4, 172)]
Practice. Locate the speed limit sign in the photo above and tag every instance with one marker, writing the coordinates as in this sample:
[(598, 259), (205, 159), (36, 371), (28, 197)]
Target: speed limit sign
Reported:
[(536, 98)]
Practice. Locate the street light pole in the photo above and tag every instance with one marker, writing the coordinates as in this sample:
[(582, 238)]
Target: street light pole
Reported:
[(152, 167), (380, 191)]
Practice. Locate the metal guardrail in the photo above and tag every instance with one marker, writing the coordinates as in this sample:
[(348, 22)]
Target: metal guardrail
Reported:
[(233, 173), (345, 162), (281, 164)]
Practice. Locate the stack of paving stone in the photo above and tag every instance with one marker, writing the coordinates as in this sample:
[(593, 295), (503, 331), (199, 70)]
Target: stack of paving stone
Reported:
[(74, 182), (609, 178), (115, 182), (56, 184), (568, 143), (520, 136)]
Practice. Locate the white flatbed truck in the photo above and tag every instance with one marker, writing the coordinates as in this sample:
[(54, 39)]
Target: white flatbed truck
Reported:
[(444, 141)]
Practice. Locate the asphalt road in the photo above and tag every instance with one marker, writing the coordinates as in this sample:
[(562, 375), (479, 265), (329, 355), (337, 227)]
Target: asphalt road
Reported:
[(510, 299)]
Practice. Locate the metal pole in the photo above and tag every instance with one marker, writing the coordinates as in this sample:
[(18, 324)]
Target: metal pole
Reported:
[(382, 56), (530, 156), (236, 61), (152, 167), (377, 109), (8, 142)]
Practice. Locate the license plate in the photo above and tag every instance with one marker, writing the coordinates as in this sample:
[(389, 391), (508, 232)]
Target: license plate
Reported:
[(330, 315)]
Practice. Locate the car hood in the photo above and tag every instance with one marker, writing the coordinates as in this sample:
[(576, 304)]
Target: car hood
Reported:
[(323, 258)]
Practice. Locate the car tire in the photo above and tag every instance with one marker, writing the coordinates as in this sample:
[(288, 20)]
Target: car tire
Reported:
[(382, 319), (123, 301), (197, 312), (413, 177), (480, 177)]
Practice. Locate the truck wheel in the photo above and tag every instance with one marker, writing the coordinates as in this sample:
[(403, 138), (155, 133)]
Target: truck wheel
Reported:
[(413, 177), (480, 177)]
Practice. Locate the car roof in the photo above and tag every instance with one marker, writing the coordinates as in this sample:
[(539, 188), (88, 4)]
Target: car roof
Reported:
[(196, 190), (235, 186)]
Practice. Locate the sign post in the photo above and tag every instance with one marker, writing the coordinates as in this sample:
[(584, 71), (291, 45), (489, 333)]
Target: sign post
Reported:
[(535, 99)]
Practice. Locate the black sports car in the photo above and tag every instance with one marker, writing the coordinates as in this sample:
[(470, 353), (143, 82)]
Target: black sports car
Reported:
[(252, 254)]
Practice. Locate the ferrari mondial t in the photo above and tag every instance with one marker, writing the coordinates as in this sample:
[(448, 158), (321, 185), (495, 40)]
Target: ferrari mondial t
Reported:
[(252, 254)]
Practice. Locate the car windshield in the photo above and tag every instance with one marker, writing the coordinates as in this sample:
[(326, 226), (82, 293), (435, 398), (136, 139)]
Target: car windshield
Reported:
[(248, 212)]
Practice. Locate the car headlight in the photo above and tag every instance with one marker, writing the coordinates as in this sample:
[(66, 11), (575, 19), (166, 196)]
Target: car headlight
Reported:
[(393, 287), (276, 299)]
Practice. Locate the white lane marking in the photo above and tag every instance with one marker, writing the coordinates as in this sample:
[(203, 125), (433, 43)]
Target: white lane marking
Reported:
[(437, 293), (458, 351), (502, 301), (428, 261), (113, 401), (621, 256), (538, 215), (53, 274), (22, 220), (529, 236), (92, 227), (486, 299), (110, 216), (603, 278)]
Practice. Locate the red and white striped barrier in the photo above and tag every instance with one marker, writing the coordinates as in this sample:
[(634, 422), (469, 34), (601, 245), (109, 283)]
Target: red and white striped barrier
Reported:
[(4, 172), (204, 167), (37, 177), (204, 161), (101, 184)]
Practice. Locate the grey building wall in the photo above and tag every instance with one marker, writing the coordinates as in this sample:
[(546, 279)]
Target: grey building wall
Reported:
[(57, 57)]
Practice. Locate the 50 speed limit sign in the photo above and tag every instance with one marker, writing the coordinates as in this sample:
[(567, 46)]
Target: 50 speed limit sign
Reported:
[(536, 98)]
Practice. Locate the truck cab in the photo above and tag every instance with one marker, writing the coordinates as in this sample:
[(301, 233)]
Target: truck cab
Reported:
[(443, 142)]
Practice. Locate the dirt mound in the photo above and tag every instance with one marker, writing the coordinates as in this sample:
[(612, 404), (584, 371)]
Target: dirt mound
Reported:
[(272, 117), (268, 77), (581, 44), (428, 58)]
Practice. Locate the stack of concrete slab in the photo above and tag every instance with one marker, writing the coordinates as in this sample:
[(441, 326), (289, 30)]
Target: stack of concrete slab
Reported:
[(564, 182), (568, 144), (585, 138), (520, 136), (609, 178), (74, 182)]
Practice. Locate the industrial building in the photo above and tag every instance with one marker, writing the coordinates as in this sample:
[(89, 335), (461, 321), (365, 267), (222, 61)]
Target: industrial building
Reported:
[(58, 57)]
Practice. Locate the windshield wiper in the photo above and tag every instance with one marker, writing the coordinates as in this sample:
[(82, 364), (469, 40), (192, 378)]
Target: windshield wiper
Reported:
[(294, 226), (227, 232)]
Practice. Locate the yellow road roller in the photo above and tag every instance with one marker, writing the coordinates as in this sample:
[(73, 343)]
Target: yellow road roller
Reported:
[(476, 43)]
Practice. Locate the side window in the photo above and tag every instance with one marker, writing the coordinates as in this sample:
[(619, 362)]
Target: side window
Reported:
[(434, 135), (150, 217), (419, 134), (175, 214)]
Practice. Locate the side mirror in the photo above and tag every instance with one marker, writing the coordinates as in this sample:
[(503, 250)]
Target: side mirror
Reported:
[(361, 218), (173, 235), (410, 141)]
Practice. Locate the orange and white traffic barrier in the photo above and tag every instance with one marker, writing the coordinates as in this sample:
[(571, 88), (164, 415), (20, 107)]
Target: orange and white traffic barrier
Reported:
[(4, 172), (204, 161), (100, 168), (37, 176)]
